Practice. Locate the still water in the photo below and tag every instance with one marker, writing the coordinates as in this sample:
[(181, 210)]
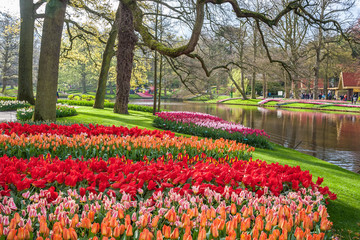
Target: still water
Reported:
[(332, 137)]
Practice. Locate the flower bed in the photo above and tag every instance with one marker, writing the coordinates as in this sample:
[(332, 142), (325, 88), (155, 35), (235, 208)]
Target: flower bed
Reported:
[(11, 105), (206, 125), (266, 100), (10, 128), (106, 146), (203, 192), (62, 110)]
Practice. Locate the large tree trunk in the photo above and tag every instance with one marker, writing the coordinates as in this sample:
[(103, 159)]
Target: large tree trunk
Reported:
[(125, 57), (105, 66), (25, 84), (45, 105)]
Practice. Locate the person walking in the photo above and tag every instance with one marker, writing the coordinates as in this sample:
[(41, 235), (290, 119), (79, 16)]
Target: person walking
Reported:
[(355, 98)]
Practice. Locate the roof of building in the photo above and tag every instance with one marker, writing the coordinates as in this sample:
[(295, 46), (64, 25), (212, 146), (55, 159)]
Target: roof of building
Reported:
[(351, 79)]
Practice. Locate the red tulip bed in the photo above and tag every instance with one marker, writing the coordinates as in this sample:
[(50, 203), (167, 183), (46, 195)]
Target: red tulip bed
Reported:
[(97, 182)]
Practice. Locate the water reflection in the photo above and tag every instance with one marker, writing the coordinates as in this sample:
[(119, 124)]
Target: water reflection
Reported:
[(329, 136)]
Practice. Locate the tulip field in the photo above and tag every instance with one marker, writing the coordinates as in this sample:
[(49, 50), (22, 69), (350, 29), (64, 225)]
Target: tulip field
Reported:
[(98, 182)]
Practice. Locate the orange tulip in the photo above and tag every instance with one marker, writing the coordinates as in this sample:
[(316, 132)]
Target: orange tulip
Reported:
[(73, 235), (299, 234), (262, 211), (95, 228), (127, 221), (214, 231), (17, 217), (155, 221), (166, 230), (202, 234), (113, 222), (144, 220), (91, 215), (175, 234), (263, 236), (185, 219), (12, 224), (120, 213), (316, 217), (21, 234), (66, 234), (74, 221), (222, 213), (12, 234), (1, 229), (129, 231), (117, 232), (233, 209), (159, 236), (56, 237)]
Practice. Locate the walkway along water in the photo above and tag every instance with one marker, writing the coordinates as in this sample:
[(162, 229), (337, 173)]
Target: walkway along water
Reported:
[(8, 116)]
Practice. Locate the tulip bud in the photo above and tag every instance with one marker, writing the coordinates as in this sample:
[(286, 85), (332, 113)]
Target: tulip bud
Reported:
[(21, 234), (155, 221), (95, 228), (233, 209), (74, 221), (12, 223), (144, 220), (175, 234), (120, 213), (66, 234), (159, 236), (12, 234), (214, 231), (113, 222), (73, 235), (91, 215), (166, 230), (129, 231)]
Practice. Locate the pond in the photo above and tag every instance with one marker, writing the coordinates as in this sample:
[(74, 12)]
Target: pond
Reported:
[(332, 137)]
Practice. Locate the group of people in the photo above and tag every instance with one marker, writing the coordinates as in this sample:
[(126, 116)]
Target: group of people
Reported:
[(353, 98)]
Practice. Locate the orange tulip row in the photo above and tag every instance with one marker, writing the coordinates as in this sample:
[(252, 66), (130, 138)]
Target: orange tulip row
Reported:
[(232, 225)]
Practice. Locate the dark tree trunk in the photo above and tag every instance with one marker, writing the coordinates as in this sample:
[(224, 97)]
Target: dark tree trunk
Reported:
[(4, 73), (264, 86), (45, 105), (111, 90), (160, 82), (105, 66), (25, 84), (125, 57), (83, 83)]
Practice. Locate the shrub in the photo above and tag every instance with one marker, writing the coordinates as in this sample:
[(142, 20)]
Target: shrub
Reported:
[(10, 105), (107, 105), (24, 114)]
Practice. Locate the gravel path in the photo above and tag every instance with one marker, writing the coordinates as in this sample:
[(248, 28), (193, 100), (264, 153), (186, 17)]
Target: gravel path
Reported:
[(8, 116)]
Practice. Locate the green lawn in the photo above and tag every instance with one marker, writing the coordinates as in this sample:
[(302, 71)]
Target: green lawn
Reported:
[(344, 212), (271, 103), (217, 99), (245, 102)]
